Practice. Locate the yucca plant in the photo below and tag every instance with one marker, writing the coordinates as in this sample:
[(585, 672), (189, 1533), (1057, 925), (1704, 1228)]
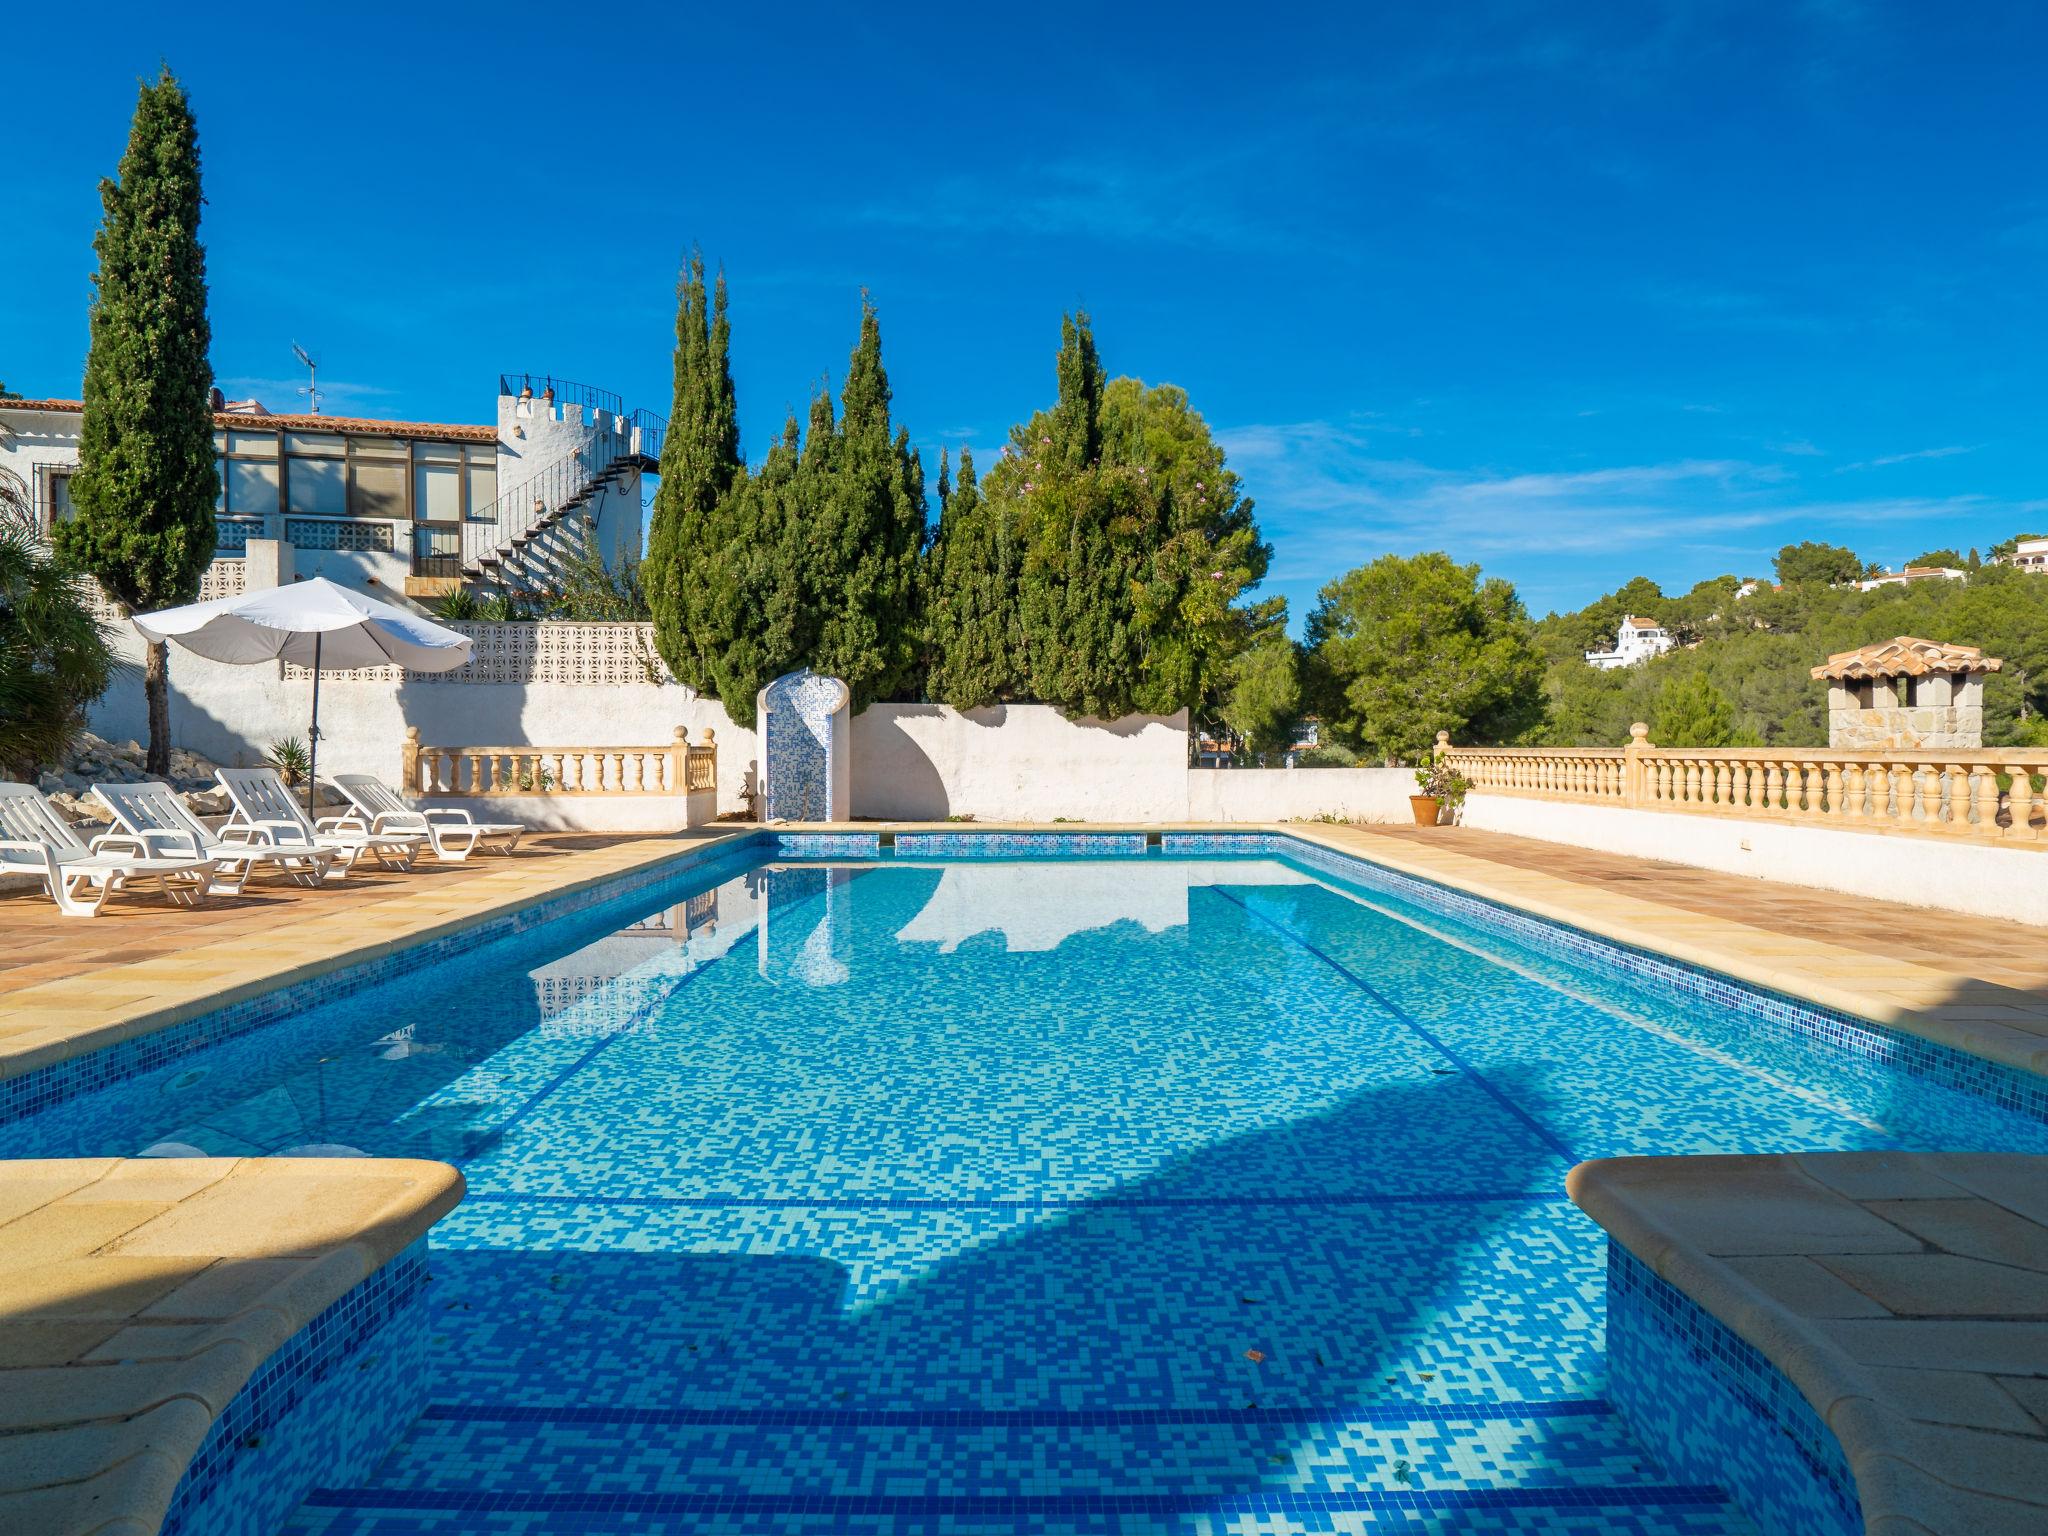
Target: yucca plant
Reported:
[(289, 757)]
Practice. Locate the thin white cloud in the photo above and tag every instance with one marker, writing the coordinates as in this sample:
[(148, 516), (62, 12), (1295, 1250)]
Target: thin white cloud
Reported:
[(1886, 460), (1798, 447), (1330, 499)]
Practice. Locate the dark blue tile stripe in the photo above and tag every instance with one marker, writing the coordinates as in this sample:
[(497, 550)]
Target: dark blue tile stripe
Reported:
[(1109, 1200), (1385, 1415), (1013, 1506), (1479, 1079)]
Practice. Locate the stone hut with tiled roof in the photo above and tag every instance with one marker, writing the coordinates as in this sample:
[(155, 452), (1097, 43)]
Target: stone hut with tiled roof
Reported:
[(1906, 693)]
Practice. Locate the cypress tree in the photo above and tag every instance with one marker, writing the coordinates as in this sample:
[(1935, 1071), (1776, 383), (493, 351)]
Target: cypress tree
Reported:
[(860, 556), (696, 515), (147, 477), (974, 639)]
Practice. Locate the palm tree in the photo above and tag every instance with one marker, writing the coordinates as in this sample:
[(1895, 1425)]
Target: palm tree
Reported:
[(55, 656)]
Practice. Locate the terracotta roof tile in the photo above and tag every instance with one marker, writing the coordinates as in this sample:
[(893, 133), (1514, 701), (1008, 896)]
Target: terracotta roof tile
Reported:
[(466, 431), (1906, 656)]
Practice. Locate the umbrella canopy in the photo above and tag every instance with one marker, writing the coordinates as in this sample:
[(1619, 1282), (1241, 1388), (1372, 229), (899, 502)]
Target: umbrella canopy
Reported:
[(311, 623)]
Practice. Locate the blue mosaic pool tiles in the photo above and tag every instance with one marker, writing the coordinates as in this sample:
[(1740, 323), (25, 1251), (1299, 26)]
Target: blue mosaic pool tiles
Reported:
[(45, 1086), (1714, 1408), (325, 1407), (828, 845), (1994, 1082), (1020, 845)]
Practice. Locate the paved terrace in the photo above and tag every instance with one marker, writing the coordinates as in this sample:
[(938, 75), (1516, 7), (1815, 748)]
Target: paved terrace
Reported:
[(70, 984)]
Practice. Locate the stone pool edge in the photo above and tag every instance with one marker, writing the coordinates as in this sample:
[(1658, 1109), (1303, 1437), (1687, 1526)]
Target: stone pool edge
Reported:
[(1917, 1464), (144, 1302)]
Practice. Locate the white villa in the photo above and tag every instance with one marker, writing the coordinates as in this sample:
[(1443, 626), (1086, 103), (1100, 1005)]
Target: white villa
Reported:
[(1635, 640), (1910, 574), (2030, 555), (407, 511)]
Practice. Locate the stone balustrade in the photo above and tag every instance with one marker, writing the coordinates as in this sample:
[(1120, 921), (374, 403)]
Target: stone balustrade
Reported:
[(680, 767), (1984, 795)]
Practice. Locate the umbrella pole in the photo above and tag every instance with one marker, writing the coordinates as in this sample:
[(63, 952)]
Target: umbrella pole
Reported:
[(313, 742)]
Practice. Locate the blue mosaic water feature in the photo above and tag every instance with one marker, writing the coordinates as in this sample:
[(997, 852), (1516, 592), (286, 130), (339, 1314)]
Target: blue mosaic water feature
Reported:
[(1137, 1192)]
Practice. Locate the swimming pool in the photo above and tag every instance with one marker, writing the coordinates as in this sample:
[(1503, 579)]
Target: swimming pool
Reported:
[(1149, 1192)]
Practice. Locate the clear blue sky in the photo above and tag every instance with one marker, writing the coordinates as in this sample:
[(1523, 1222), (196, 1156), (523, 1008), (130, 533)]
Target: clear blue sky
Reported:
[(1573, 291)]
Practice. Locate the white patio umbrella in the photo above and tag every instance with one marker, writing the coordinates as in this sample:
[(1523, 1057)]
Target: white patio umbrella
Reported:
[(314, 624)]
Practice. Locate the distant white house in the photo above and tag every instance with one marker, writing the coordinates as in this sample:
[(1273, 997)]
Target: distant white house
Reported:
[(1912, 573), (1635, 640), (2030, 555)]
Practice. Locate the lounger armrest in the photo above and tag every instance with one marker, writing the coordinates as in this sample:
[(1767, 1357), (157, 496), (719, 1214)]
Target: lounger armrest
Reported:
[(154, 842), (45, 855), (239, 832), (280, 831), (450, 814), (398, 821), (135, 844), (350, 821)]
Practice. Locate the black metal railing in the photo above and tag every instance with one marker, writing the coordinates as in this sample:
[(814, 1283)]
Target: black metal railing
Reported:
[(604, 451), (565, 391)]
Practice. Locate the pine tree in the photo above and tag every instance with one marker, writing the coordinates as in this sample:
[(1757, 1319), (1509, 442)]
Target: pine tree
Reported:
[(1136, 545), (147, 478), (697, 517)]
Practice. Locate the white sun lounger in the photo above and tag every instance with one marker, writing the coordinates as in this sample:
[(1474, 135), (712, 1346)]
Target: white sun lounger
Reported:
[(262, 803), (455, 834), (36, 840), (154, 812)]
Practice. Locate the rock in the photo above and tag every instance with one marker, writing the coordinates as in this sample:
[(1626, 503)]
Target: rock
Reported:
[(51, 783), (206, 802), (80, 808)]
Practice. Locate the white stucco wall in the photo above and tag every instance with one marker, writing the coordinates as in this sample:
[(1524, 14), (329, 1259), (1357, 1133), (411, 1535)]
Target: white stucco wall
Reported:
[(1920, 871), (1299, 794), (1017, 762), (232, 714)]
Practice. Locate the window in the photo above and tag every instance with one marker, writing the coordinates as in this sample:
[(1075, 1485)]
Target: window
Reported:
[(250, 479), (319, 486), (437, 492), (316, 473), (377, 488), (483, 482), (57, 506), (251, 485)]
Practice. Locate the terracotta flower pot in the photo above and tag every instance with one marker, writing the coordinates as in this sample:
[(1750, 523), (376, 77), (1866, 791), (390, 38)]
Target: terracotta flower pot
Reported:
[(1426, 808)]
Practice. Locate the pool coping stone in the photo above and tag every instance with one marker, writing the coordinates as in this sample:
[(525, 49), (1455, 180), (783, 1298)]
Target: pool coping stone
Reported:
[(1882, 1286), (139, 1295)]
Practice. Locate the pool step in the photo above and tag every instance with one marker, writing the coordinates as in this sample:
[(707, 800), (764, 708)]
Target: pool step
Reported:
[(1525, 1468)]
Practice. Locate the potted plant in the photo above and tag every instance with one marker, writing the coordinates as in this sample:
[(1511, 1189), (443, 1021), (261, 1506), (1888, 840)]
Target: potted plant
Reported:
[(1438, 786)]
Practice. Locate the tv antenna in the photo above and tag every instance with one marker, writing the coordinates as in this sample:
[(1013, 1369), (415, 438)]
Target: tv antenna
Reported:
[(312, 387)]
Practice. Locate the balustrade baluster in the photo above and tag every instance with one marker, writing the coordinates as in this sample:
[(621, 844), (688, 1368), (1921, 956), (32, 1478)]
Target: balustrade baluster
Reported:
[(1955, 799), (1899, 807), (2020, 805), (1984, 801)]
